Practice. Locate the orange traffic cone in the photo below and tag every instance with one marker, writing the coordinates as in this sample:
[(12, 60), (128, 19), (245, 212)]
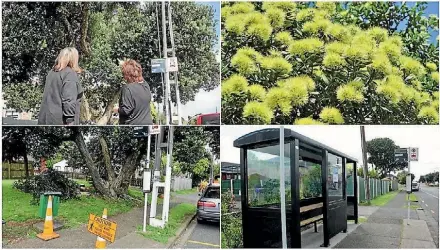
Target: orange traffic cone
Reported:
[(100, 242), (48, 232)]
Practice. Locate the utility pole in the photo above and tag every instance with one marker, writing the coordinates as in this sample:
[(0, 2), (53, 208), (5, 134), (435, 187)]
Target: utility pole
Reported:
[(365, 160), (167, 100)]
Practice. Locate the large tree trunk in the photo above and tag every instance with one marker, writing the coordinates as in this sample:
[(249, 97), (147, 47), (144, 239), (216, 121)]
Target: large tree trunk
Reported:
[(107, 115), (114, 186), (26, 162)]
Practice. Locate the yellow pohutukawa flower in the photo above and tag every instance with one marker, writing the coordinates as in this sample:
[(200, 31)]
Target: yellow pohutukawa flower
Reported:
[(301, 81), (258, 111), (407, 94), (396, 40), (435, 76), (430, 114), (235, 84), (275, 53), (244, 64), (283, 37), (278, 64), (389, 92), (331, 115), (250, 52), (412, 66), (278, 97), (364, 39), (333, 60), (435, 104), (235, 24), (316, 26), (416, 84), (305, 15), (286, 6), (396, 71), (358, 52), (358, 85), (435, 95), (257, 92), (260, 30), (378, 34), (329, 7), (431, 66), (276, 17), (381, 63), (241, 7), (307, 121), (392, 50), (226, 11), (335, 47), (308, 45), (346, 93), (338, 31), (353, 29), (422, 98), (297, 88)]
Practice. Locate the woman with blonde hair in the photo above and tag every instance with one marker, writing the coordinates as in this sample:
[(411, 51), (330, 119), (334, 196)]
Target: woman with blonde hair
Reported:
[(134, 102), (63, 92)]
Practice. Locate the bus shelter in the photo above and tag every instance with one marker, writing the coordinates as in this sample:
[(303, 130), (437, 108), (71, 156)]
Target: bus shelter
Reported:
[(314, 188)]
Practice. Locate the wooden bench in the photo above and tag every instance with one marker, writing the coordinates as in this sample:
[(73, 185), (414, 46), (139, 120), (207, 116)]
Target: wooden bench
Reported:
[(312, 219)]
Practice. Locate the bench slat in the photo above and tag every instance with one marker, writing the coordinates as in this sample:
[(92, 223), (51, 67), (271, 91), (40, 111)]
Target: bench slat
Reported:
[(311, 207), (311, 220)]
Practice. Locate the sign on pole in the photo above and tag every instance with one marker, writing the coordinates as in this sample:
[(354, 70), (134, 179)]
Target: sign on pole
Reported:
[(172, 64), (102, 227), (413, 154), (154, 129), (401, 155), (158, 65)]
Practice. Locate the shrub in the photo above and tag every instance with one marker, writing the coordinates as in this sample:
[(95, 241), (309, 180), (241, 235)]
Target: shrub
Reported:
[(315, 63), (49, 181)]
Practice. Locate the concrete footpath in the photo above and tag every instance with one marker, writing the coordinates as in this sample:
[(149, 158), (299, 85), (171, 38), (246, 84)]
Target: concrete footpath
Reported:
[(126, 235), (388, 227)]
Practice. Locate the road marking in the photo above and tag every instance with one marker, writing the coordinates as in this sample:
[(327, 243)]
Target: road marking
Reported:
[(432, 211), (423, 201), (425, 204), (430, 194), (203, 243)]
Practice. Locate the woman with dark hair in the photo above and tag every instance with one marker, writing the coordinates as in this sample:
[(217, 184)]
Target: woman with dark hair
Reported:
[(62, 92), (134, 103)]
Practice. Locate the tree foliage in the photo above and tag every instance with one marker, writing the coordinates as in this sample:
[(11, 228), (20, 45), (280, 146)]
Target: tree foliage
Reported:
[(104, 33), (430, 178), (328, 63), (381, 154), (401, 177)]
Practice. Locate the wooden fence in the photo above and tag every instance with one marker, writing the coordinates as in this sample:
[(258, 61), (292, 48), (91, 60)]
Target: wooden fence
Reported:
[(15, 170)]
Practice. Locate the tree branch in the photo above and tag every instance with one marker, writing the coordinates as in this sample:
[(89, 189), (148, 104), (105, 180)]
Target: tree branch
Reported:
[(63, 11), (107, 162), (85, 47)]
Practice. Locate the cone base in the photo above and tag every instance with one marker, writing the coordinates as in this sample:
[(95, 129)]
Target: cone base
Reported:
[(100, 244), (47, 237)]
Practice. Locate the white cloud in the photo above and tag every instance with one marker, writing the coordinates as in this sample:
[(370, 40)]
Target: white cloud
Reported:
[(204, 102), (347, 140)]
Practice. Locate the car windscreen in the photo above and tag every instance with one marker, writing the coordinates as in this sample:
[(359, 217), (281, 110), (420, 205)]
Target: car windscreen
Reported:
[(213, 193)]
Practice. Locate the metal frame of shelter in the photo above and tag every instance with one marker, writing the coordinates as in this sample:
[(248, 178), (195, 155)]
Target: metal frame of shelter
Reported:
[(263, 224)]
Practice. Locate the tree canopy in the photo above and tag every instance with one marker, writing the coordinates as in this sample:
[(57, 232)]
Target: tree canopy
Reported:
[(104, 33), (381, 154), (328, 63)]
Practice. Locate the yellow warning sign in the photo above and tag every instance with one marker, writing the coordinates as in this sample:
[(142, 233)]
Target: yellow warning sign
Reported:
[(102, 227)]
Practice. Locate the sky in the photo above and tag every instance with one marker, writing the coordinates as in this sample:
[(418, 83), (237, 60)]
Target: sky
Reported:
[(346, 139), (206, 102)]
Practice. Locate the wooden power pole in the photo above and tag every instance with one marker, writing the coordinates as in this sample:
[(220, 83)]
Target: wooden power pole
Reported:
[(365, 160)]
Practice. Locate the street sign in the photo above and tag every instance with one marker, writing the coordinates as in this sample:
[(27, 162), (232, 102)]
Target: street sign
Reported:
[(172, 64), (140, 132), (154, 129), (401, 155), (102, 227), (413, 154), (158, 65)]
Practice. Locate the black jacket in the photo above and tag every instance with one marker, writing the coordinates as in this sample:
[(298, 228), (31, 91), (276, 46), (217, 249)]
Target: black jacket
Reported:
[(134, 104), (62, 98)]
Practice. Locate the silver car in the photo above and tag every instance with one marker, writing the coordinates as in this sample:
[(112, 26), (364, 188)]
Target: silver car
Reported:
[(208, 206)]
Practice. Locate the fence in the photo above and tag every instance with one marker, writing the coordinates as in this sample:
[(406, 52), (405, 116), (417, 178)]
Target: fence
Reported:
[(377, 187), (236, 186), (180, 183), (15, 170)]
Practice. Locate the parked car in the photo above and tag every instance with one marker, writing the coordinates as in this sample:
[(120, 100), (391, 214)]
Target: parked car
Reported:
[(415, 186), (208, 206)]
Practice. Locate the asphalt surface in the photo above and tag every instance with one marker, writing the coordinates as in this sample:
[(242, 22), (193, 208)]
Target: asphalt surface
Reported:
[(200, 235), (428, 199)]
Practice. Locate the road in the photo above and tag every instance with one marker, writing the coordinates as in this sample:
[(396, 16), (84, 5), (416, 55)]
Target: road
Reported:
[(428, 199), (200, 235)]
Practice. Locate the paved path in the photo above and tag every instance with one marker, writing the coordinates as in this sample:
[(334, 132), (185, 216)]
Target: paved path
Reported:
[(200, 235), (126, 236), (387, 228)]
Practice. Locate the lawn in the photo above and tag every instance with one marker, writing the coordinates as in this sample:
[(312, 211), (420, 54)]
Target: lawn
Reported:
[(187, 191), (176, 216), (381, 200)]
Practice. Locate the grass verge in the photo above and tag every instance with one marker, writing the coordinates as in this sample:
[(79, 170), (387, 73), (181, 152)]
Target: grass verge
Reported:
[(20, 215), (177, 215), (412, 207), (412, 197), (381, 200), (187, 191)]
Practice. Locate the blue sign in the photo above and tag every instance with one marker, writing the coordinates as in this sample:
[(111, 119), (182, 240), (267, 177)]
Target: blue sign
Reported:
[(158, 65)]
